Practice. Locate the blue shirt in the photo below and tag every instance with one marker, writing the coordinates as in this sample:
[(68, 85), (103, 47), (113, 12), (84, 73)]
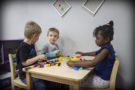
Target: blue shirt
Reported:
[(50, 48), (104, 68)]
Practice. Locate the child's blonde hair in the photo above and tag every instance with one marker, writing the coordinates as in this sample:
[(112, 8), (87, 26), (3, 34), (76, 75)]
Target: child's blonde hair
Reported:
[(31, 28), (53, 30)]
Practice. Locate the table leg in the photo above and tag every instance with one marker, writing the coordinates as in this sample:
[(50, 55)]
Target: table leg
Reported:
[(76, 86), (28, 81)]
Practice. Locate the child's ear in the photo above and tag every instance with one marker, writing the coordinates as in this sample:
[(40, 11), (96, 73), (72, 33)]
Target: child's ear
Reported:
[(107, 40), (58, 37), (35, 35)]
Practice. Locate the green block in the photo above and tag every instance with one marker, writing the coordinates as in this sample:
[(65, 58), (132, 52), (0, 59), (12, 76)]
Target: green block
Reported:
[(81, 68)]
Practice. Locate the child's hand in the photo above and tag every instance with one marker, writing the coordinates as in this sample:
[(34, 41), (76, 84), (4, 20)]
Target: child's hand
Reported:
[(70, 63), (84, 60), (41, 57), (81, 53)]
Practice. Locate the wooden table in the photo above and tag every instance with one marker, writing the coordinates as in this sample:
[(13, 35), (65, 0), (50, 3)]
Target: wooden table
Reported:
[(61, 74)]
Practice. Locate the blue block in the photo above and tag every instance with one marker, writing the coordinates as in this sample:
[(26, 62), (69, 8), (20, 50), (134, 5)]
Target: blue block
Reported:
[(76, 67)]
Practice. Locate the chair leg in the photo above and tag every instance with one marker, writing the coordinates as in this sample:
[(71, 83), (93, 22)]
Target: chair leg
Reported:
[(13, 87)]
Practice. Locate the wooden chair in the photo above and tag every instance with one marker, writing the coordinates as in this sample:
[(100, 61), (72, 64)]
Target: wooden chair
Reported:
[(112, 78), (15, 81)]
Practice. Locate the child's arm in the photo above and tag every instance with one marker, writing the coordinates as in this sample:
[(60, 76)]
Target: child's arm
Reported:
[(83, 63), (33, 60), (101, 56), (89, 63), (87, 53)]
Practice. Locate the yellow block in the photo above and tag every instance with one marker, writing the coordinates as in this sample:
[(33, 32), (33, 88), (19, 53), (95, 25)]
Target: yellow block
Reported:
[(75, 59)]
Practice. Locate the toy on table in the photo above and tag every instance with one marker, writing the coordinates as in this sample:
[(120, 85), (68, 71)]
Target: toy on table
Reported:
[(62, 58), (78, 68), (30, 67), (56, 61), (49, 63), (76, 58), (54, 54)]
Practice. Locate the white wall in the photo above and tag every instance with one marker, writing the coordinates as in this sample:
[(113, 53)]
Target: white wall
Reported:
[(76, 27)]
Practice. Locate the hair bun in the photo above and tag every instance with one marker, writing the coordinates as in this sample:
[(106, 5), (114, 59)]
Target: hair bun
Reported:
[(111, 23)]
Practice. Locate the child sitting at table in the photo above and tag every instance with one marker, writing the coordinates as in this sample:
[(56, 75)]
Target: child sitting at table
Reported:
[(26, 53), (104, 58), (51, 49)]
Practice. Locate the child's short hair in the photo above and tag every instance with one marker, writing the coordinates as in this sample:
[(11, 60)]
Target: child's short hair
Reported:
[(53, 30), (106, 30), (31, 28)]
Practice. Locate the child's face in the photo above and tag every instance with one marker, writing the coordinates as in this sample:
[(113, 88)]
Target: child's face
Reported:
[(52, 37), (100, 40)]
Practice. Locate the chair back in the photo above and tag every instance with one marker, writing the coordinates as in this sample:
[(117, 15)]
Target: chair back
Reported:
[(114, 73), (12, 65)]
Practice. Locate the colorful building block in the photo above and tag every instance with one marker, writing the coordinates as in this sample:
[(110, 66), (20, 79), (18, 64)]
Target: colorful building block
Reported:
[(76, 67)]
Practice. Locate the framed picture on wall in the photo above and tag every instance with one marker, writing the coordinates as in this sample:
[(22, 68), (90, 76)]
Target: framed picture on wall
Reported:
[(61, 6), (93, 5)]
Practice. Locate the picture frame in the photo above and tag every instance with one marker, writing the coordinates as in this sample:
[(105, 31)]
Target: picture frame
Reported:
[(61, 6), (93, 5)]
